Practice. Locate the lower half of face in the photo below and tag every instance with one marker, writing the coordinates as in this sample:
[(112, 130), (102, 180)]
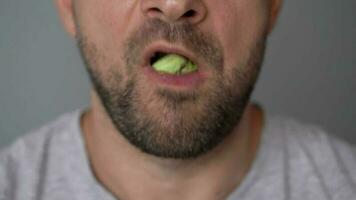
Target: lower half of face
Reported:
[(168, 120)]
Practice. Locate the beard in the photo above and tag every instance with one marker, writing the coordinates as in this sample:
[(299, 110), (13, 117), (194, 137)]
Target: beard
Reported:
[(164, 122)]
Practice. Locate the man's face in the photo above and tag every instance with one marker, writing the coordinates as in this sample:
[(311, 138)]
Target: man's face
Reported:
[(181, 118)]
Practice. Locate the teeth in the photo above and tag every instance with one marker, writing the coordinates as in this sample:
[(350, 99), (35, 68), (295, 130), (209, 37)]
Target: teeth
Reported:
[(174, 64)]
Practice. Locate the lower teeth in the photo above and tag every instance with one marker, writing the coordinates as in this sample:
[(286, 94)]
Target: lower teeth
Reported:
[(174, 64)]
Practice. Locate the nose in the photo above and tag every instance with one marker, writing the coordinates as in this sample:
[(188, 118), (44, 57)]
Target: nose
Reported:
[(171, 11)]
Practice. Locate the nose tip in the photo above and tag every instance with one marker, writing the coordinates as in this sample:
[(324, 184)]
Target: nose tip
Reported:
[(171, 11)]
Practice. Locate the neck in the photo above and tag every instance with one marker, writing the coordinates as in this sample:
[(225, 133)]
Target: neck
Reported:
[(131, 174)]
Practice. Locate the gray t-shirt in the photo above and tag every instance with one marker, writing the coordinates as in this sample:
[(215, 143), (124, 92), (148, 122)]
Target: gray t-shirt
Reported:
[(294, 162)]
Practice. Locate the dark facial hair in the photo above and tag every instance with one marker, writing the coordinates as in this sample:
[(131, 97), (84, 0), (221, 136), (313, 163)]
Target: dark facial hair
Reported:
[(185, 139)]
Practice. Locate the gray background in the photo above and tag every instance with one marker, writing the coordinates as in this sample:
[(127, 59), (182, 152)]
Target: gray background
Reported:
[(309, 71)]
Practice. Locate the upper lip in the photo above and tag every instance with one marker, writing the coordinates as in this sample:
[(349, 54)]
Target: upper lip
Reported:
[(150, 51)]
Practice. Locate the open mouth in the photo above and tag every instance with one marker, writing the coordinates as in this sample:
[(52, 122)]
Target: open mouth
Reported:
[(173, 66), (172, 63)]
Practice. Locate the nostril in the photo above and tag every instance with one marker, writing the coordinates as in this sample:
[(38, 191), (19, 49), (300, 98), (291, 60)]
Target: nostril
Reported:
[(154, 12), (155, 9), (174, 11), (189, 13)]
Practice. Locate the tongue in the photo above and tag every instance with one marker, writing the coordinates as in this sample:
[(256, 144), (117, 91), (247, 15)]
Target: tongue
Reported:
[(174, 64)]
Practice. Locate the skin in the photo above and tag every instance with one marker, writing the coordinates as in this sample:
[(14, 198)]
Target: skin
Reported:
[(124, 170)]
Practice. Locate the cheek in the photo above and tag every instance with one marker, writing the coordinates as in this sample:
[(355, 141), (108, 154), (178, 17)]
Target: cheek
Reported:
[(239, 28), (105, 25)]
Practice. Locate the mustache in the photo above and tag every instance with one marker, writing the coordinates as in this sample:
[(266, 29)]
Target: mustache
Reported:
[(204, 45)]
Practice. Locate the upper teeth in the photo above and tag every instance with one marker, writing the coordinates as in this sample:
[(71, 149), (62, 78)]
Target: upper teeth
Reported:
[(174, 64)]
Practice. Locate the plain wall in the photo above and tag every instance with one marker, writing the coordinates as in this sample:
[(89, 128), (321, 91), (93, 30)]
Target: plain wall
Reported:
[(308, 74)]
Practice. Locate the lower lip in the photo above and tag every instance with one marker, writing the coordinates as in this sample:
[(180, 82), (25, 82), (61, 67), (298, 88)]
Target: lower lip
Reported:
[(190, 80)]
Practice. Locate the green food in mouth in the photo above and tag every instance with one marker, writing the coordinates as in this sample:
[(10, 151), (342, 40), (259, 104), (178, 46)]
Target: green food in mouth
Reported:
[(174, 64)]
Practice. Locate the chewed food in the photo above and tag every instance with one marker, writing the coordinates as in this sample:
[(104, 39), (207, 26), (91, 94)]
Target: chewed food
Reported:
[(174, 64)]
